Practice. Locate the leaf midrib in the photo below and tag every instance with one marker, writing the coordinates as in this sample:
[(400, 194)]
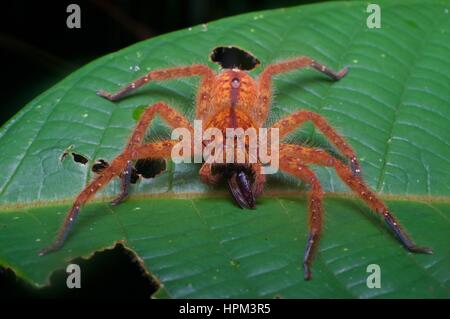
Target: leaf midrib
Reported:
[(429, 199)]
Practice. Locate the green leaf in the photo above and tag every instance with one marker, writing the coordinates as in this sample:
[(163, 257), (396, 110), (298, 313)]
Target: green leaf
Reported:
[(393, 107)]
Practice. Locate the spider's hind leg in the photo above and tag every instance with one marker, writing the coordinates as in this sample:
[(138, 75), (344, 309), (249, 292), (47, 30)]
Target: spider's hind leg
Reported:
[(295, 167), (359, 187)]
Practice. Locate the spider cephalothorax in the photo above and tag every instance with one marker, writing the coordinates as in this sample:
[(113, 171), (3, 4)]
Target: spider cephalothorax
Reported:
[(232, 98)]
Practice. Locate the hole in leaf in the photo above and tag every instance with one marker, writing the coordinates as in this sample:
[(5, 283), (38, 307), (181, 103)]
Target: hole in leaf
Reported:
[(79, 158), (147, 168), (231, 57), (63, 156), (111, 273), (99, 166), (150, 167)]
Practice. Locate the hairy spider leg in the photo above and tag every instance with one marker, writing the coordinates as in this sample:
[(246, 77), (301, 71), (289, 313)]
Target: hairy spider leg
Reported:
[(291, 122), (121, 164), (160, 149), (293, 165), (171, 116), (261, 111), (356, 184), (204, 91), (158, 75)]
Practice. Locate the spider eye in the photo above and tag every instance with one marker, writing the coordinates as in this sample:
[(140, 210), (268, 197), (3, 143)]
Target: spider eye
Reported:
[(231, 57)]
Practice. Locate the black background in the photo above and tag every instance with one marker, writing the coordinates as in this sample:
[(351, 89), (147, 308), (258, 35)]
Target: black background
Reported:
[(37, 50)]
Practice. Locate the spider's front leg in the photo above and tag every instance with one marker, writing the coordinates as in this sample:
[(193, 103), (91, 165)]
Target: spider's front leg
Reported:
[(291, 164), (261, 112), (298, 63), (121, 165), (159, 75)]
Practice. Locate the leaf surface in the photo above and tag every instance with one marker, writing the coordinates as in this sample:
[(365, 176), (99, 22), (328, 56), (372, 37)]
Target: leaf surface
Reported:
[(393, 107)]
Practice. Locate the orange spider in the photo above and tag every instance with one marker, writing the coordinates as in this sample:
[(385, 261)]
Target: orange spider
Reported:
[(233, 99)]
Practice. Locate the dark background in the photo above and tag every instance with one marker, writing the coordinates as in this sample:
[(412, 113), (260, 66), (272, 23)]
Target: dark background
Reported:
[(37, 50)]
